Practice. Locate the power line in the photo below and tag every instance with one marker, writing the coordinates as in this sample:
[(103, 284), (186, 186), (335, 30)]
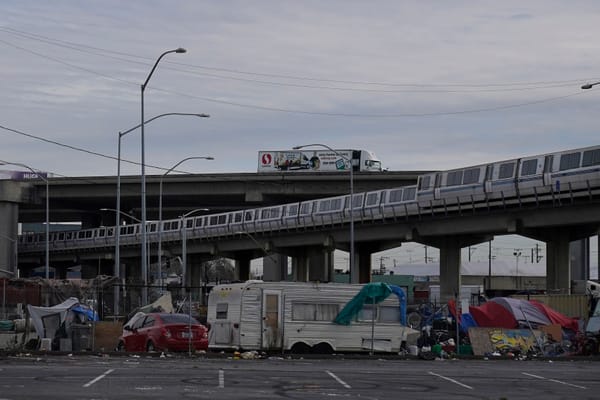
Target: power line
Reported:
[(417, 87)]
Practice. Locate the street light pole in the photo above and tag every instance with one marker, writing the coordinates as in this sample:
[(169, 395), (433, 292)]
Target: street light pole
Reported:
[(353, 270), (184, 244), (117, 269), (143, 172), (37, 173), (160, 227)]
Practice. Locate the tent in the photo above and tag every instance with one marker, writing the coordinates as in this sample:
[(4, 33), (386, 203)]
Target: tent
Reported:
[(48, 320), (509, 313)]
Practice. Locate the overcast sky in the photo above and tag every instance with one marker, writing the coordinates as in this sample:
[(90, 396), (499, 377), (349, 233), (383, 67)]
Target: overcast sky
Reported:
[(423, 84)]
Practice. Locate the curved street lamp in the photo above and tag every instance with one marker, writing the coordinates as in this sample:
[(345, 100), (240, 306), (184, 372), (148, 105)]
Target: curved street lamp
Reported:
[(38, 174), (353, 273), (143, 172), (184, 243), (117, 268), (160, 191)]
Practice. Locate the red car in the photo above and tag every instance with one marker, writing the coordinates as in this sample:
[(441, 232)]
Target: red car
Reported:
[(163, 332)]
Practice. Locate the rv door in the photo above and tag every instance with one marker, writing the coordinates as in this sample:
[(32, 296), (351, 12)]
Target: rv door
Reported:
[(272, 330)]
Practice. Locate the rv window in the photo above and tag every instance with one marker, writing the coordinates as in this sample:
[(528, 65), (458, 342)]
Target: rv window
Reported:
[(221, 310), (389, 314), (314, 312), (366, 314)]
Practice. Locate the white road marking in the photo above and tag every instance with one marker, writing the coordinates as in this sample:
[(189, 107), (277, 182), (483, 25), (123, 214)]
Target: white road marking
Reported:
[(341, 382), (96, 379), (221, 379), (553, 380), (451, 380)]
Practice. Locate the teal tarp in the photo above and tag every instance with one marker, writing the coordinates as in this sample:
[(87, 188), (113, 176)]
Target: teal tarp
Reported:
[(369, 294)]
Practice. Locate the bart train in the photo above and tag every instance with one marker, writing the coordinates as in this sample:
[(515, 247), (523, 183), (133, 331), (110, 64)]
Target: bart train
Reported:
[(567, 174)]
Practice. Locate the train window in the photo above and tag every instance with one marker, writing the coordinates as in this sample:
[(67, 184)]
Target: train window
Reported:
[(69, 235), (371, 199), (292, 210), (237, 217), (454, 178), (265, 214), (336, 204), (471, 176), (110, 231), (101, 233), (591, 157), (569, 161), (198, 222), (61, 236), (222, 219), (213, 220), (88, 234), (507, 170), (189, 223), (409, 194), (357, 201), (529, 167), (424, 182), (324, 205), (306, 208), (395, 196), (248, 216), (152, 227)]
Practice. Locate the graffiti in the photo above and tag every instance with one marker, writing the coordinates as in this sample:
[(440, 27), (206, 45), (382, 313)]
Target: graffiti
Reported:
[(514, 339)]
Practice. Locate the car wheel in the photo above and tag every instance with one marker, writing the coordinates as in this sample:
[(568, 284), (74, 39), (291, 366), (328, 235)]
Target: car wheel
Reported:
[(121, 346), (150, 347)]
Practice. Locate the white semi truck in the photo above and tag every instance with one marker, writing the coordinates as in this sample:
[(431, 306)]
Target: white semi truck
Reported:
[(317, 161)]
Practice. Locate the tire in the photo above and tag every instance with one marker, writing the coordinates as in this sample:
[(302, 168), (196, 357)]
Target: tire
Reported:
[(322, 348), (120, 346), (300, 348), (150, 347)]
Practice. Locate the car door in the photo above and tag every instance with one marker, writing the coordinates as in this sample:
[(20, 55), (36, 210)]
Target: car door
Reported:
[(133, 339)]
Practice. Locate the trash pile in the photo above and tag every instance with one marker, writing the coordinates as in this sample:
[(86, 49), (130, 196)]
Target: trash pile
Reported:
[(501, 327)]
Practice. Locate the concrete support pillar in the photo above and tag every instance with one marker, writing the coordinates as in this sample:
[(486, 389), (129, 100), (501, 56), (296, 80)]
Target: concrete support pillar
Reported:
[(9, 215), (450, 260), (321, 266), (580, 259), (275, 268), (558, 264), (364, 267), (242, 268), (300, 268)]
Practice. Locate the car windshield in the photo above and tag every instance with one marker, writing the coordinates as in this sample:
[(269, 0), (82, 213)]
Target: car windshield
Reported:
[(177, 319)]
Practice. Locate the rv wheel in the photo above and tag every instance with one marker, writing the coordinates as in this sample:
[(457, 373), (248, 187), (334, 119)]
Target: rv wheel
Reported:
[(322, 348), (300, 348)]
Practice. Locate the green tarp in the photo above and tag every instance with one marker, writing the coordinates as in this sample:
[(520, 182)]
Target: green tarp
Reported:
[(369, 294)]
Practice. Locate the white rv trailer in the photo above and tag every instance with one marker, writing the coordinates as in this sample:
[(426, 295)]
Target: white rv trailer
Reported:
[(298, 317)]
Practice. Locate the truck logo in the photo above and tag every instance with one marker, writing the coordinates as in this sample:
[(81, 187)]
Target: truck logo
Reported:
[(267, 158)]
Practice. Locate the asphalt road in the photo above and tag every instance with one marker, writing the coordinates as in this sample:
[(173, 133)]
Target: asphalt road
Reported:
[(129, 377)]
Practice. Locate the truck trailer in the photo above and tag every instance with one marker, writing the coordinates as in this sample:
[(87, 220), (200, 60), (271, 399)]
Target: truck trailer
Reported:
[(318, 161), (298, 317)]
